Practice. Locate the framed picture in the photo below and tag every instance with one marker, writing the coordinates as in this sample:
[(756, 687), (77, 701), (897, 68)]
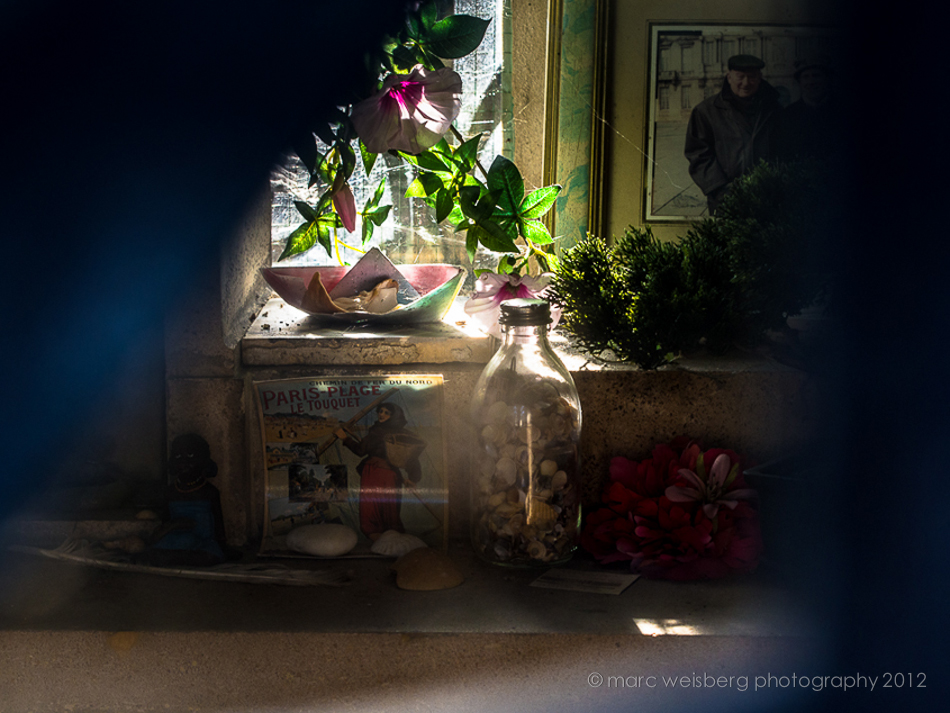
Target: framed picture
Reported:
[(688, 66), (364, 452), (618, 156)]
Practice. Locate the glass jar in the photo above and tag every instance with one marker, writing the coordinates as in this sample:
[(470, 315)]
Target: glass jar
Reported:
[(526, 471)]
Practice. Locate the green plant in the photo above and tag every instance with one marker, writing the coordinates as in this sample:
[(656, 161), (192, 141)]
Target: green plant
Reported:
[(773, 224), (609, 297), (406, 111), (723, 284)]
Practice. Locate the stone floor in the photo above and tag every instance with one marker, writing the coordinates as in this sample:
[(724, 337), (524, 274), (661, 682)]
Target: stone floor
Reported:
[(83, 639)]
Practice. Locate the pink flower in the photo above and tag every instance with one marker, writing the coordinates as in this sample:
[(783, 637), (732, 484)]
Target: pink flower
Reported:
[(492, 289), (345, 206), (411, 112), (720, 488)]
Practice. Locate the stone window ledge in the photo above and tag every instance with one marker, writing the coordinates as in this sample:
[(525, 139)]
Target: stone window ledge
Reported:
[(281, 335), (284, 336)]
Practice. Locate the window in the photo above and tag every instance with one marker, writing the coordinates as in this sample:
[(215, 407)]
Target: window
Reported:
[(710, 51), (752, 45), (686, 61), (411, 235)]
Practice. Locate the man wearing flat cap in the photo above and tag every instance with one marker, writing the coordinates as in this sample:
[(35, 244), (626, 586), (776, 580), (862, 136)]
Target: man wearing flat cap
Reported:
[(730, 132)]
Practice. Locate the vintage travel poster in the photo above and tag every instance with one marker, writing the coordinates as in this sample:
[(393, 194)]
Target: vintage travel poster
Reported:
[(365, 452)]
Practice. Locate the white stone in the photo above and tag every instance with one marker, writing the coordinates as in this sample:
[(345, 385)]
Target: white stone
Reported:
[(326, 540)]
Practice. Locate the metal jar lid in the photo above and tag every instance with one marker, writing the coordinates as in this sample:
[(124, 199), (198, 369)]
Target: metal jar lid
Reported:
[(524, 313)]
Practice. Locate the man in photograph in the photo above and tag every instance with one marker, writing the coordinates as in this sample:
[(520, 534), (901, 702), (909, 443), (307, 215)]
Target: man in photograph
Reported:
[(812, 126), (730, 132)]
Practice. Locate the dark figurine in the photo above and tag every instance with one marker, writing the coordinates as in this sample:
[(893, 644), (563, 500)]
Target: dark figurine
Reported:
[(192, 533)]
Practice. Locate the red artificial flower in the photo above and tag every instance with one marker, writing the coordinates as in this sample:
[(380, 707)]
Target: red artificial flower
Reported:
[(671, 525), (608, 537)]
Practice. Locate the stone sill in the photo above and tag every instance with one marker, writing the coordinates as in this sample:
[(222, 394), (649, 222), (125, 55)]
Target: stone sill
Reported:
[(284, 336)]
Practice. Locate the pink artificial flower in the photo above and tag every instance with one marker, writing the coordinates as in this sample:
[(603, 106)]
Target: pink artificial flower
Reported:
[(345, 205), (719, 488), (492, 289), (411, 112)]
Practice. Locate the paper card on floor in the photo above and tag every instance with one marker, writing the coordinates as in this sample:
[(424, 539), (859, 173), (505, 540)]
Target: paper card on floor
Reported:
[(577, 581)]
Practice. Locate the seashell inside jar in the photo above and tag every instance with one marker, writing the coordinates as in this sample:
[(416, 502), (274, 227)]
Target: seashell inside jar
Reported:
[(525, 497)]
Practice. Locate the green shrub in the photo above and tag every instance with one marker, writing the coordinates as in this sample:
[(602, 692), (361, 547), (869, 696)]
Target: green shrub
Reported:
[(723, 284)]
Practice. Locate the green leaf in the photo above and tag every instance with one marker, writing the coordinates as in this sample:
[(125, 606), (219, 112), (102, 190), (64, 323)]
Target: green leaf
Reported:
[(496, 232), (324, 205), (404, 58), (429, 161), (308, 234), (456, 216), (367, 231), (538, 202), (379, 215), (536, 231), (467, 153), (444, 151), (325, 133), (414, 26), (430, 60), (416, 189), (505, 179), (426, 184), (306, 211), (471, 243), (494, 237), (429, 13), (373, 202), (347, 158), (455, 36), (306, 150), (321, 171), (548, 261), (507, 265), (444, 203), (369, 158), (476, 204)]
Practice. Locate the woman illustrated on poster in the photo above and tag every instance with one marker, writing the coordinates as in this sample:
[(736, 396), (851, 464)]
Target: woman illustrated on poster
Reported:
[(381, 479)]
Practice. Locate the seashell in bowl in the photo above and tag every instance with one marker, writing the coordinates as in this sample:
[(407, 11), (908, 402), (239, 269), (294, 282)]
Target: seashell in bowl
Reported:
[(423, 293), (395, 544)]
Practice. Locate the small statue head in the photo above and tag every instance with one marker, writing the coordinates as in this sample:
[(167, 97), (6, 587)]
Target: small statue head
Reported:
[(190, 459)]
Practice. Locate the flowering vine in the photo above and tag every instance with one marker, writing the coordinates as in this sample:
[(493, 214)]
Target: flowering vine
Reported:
[(409, 113)]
